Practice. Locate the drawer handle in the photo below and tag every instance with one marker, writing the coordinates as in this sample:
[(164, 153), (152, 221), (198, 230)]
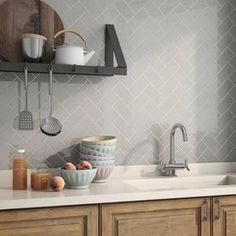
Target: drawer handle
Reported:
[(204, 210), (217, 209)]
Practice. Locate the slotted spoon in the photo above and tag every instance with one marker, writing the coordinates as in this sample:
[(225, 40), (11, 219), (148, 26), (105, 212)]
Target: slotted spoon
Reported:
[(50, 125), (26, 117)]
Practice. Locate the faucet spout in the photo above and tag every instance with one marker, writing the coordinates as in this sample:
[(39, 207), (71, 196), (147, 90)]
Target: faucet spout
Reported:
[(182, 129), (170, 168), (172, 140)]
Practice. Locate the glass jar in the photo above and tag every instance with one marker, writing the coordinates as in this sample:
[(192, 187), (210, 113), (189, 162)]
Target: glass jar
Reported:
[(40, 178), (20, 165)]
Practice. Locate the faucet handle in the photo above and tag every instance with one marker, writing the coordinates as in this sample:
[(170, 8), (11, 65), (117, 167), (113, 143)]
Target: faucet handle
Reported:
[(186, 164), (161, 164), (161, 167)]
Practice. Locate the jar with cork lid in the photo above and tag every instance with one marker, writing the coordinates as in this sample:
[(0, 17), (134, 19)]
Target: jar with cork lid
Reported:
[(20, 165)]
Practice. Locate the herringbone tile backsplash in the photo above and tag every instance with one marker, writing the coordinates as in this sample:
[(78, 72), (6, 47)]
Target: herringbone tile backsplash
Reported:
[(181, 57)]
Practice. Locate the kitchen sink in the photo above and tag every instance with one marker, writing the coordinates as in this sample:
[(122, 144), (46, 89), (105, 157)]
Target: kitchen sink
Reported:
[(174, 183)]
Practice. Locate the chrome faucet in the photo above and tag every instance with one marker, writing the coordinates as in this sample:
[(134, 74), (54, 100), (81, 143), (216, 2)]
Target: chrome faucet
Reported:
[(170, 167)]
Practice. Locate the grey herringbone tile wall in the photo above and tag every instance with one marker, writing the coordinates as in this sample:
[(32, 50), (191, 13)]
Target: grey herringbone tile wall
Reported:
[(181, 57)]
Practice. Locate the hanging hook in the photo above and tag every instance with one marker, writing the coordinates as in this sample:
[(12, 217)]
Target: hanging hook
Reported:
[(26, 66), (51, 67), (74, 67)]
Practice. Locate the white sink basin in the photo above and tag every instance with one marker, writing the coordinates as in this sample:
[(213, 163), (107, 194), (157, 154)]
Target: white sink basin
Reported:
[(174, 183)]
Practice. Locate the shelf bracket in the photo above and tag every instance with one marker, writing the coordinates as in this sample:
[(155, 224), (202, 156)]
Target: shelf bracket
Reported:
[(112, 47)]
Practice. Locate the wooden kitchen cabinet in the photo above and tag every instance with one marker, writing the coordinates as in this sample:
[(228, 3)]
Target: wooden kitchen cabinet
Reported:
[(187, 217), (184, 217), (60, 221), (224, 216)]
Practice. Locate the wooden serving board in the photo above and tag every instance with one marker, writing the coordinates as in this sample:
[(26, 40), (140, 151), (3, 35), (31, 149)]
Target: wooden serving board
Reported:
[(27, 16)]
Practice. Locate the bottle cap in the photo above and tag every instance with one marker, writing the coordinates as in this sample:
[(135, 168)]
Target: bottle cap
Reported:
[(21, 150)]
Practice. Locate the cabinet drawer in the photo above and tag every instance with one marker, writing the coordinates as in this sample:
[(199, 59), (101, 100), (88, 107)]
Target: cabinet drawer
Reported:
[(73, 221), (189, 217)]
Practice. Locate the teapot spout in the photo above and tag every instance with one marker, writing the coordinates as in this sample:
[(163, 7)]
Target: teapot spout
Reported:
[(88, 56)]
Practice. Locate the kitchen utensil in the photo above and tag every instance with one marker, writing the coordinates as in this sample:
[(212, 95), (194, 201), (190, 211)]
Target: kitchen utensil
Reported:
[(78, 179), (26, 117), (27, 16), (50, 125), (33, 46), (72, 55), (100, 140)]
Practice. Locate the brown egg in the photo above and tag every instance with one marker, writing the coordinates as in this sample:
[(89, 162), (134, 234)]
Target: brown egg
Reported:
[(69, 166), (57, 183), (84, 165)]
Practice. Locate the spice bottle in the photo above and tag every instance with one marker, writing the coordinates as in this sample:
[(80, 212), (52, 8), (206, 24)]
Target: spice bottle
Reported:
[(20, 165)]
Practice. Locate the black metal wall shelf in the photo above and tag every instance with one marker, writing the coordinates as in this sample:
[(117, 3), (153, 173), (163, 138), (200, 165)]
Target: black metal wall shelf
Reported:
[(112, 47)]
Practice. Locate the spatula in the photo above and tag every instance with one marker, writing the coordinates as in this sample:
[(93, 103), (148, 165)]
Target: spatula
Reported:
[(26, 117)]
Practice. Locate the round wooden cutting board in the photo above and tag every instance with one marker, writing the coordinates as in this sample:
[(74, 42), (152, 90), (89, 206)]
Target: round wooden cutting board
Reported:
[(27, 16)]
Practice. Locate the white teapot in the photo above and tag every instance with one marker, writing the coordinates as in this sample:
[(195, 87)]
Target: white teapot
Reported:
[(72, 55)]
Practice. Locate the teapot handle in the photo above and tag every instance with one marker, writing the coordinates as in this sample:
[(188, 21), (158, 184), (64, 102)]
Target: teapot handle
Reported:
[(74, 32)]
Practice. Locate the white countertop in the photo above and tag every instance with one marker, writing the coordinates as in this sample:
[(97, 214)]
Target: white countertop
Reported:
[(119, 189)]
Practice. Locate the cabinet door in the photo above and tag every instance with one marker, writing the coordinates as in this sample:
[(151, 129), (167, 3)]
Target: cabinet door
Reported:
[(224, 216), (60, 221), (188, 217)]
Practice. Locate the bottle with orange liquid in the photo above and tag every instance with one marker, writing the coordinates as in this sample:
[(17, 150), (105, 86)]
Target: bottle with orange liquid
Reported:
[(20, 165)]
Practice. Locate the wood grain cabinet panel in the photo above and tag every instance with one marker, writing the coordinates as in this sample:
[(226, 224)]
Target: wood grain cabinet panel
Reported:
[(60, 221), (185, 217), (189, 217), (224, 216)]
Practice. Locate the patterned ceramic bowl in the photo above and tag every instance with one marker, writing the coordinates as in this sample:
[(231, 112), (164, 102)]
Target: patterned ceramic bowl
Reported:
[(90, 151), (95, 158), (100, 163), (97, 149), (78, 179), (100, 140), (102, 174)]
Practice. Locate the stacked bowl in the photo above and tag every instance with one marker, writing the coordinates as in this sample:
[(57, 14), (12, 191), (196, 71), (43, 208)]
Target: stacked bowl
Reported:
[(99, 151)]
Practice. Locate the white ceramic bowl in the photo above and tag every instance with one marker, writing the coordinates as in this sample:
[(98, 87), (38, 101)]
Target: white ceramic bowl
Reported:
[(100, 140), (103, 173)]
